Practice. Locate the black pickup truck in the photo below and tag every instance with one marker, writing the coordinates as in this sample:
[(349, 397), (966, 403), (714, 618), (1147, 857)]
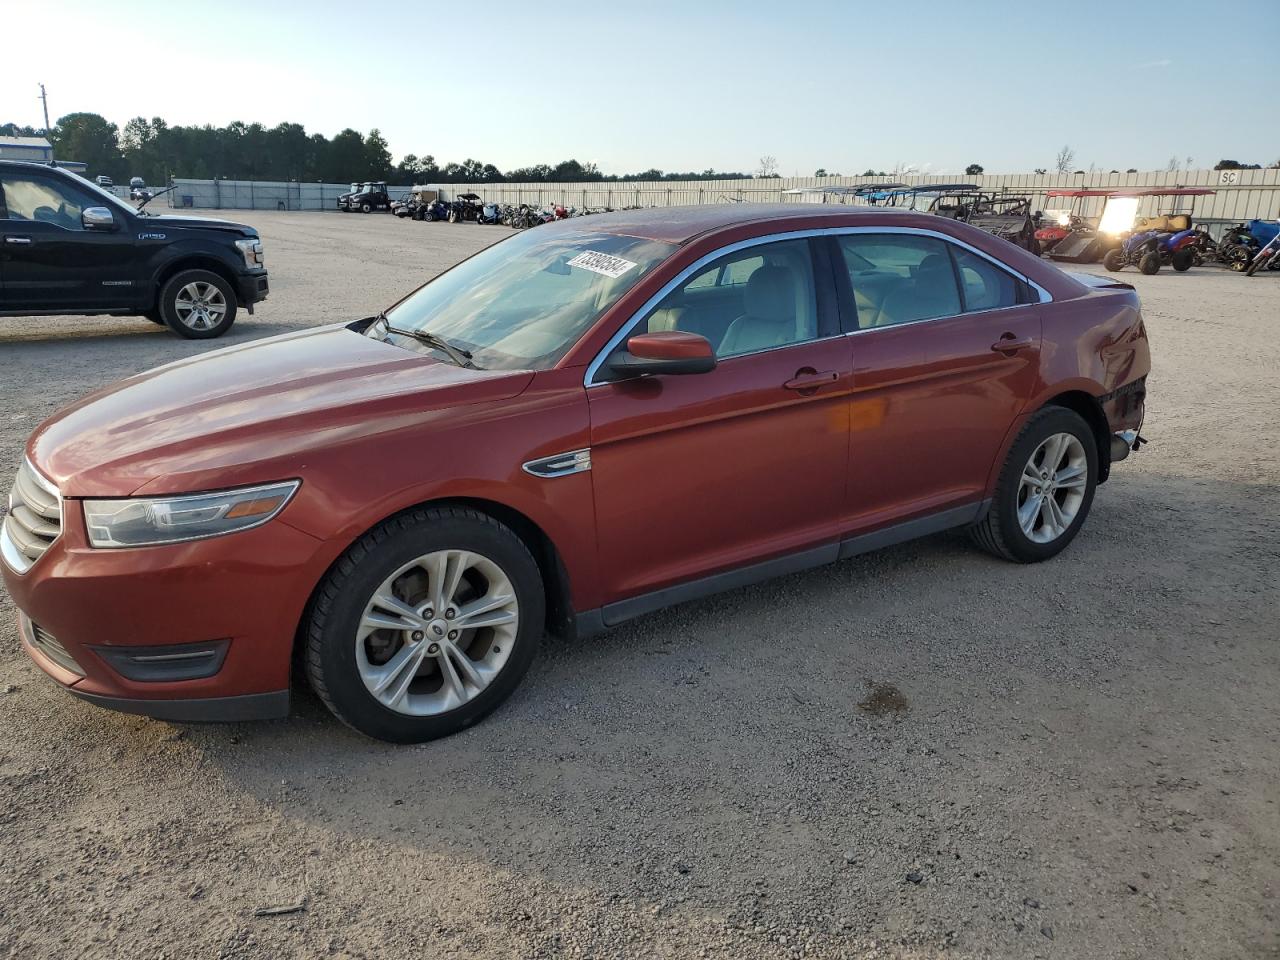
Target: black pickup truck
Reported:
[(69, 247)]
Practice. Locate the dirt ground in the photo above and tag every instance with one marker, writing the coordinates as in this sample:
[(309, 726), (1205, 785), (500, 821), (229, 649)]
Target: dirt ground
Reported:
[(919, 753)]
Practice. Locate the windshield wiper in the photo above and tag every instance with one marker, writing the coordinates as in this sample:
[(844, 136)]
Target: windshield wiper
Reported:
[(153, 196), (455, 353)]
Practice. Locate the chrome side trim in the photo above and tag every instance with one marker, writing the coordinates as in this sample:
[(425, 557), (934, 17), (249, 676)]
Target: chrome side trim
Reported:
[(559, 464), (588, 379)]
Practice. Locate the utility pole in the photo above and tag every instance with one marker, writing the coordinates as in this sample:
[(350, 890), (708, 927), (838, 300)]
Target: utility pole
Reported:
[(44, 99)]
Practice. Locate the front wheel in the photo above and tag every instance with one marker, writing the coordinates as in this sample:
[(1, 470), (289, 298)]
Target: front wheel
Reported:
[(1258, 262), (425, 625), (197, 304), (1114, 260), (1183, 260), (1045, 489), (1150, 263)]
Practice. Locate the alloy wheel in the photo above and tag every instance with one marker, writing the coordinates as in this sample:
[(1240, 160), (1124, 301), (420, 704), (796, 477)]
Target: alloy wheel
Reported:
[(437, 632), (1052, 487), (200, 305)]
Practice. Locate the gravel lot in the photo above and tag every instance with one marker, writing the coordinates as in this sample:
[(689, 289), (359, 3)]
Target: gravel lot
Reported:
[(919, 753)]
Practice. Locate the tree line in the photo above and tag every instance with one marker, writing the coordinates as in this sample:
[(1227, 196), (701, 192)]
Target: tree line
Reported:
[(156, 151)]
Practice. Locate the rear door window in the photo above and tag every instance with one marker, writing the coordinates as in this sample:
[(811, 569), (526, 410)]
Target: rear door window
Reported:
[(899, 278), (985, 286)]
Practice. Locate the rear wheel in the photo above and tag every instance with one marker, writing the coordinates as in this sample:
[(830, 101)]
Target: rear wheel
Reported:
[(1045, 489), (1114, 260), (425, 625), (1183, 259), (1150, 263), (197, 304)]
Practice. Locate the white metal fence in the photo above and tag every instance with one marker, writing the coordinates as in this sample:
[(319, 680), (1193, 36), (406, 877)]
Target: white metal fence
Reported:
[(1241, 194), (260, 195)]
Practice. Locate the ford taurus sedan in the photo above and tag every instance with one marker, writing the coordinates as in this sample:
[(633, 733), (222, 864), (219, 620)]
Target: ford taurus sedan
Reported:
[(577, 426)]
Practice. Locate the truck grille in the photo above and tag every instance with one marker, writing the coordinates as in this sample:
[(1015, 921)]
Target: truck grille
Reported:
[(47, 644), (34, 519)]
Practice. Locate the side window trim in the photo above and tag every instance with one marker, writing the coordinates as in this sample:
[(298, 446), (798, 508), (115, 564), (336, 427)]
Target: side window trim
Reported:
[(588, 379), (959, 280)]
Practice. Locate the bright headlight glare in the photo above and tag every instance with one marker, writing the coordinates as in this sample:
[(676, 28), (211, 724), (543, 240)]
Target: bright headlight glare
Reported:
[(141, 522)]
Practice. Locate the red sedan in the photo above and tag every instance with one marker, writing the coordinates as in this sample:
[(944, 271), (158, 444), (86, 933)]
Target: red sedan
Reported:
[(581, 424)]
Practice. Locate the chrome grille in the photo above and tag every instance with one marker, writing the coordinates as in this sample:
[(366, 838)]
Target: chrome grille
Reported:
[(47, 644), (34, 519)]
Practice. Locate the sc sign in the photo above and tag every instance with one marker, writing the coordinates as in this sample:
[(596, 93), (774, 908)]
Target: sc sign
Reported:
[(1228, 177)]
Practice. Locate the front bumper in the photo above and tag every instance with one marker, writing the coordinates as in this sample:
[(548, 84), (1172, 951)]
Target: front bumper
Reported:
[(252, 288), (133, 629)]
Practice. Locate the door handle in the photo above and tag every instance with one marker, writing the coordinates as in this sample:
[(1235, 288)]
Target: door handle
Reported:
[(808, 380), (1008, 343), (17, 239)]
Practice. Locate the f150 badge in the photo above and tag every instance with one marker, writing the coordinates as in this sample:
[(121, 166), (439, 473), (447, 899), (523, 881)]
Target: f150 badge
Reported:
[(151, 236)]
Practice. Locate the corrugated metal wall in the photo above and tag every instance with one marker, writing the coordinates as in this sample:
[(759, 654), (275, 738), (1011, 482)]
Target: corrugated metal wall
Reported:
[(260, 195), (1241, 194)]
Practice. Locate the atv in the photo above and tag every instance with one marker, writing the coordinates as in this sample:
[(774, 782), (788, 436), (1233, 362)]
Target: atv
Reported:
[(1148, 250)]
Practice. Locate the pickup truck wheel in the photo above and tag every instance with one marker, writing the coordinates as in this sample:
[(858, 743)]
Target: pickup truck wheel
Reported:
[(425, 625), (197, 304), (1045, 489), (154, 316)]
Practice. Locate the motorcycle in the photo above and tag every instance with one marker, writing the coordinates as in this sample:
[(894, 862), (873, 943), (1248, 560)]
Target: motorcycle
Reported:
[(490, 213), (1268, 257)]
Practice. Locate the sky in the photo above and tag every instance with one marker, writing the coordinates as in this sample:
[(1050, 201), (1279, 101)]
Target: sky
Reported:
[(844, 86)]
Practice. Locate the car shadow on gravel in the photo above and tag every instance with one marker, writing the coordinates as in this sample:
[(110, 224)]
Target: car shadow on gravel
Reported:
[(714, 756)]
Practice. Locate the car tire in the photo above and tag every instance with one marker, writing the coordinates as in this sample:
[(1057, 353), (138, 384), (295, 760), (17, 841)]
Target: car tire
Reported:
[(1150, 263), (1114, 260), (1013, 528), (341, 664), (1183, 260), (193, 286)]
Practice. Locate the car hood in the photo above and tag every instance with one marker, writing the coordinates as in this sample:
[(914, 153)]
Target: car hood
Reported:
[(250, 413), (162, 221)]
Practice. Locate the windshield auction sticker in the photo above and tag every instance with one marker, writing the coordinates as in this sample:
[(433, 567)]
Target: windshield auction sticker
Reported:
[(613, 267)]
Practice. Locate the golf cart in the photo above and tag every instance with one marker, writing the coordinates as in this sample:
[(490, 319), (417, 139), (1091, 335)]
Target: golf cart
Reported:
[(1080, 240), (1151, 242)]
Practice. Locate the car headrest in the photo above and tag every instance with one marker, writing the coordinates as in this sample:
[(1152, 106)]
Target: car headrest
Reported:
[(770, 294), (933, 266)]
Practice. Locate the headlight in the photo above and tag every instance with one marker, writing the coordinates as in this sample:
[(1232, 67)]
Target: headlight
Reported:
[(148, 521), (251, 250)]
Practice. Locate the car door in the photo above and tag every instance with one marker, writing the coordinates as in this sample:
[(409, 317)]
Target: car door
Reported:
[(945, 356), (698, 474), (51, 261)]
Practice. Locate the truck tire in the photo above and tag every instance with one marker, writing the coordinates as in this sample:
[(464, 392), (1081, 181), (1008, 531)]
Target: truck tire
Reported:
[(366, 208), (197, 304)]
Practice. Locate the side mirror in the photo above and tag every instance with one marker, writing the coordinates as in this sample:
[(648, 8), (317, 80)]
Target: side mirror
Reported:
[(668, 351), (98, 218)]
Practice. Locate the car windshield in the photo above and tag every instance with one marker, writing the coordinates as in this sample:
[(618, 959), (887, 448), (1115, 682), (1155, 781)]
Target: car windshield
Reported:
[(522, 303)]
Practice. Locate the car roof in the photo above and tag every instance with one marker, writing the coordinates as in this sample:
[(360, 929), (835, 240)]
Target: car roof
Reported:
[(681, 224)]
